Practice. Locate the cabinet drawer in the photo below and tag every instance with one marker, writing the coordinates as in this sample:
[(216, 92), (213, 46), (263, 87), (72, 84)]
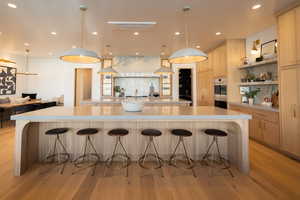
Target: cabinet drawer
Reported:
[(266, 115)]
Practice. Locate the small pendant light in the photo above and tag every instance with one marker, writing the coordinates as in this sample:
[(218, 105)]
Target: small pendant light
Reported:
[(81, 55), (27, 51), (187, 55)]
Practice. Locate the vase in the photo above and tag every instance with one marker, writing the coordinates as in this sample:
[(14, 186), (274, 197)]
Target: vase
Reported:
[(251, 100)]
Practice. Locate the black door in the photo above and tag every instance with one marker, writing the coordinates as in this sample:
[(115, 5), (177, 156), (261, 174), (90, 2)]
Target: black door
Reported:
[(185, 84)]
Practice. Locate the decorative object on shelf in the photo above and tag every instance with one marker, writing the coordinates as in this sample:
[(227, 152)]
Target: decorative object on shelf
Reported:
[(81, 55), (259, 59), (117, 91), (267, 102), (275, 99), (187, 55), (246, 60), (7, 80), (269, 49), (251, 95), (27, 73), (7, 61), (254, 49)]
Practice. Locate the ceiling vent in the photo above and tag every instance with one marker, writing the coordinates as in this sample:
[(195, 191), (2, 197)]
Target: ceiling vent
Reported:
[(125, 25)]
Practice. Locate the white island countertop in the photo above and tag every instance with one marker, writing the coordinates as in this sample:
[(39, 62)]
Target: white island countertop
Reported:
[(117, 113)]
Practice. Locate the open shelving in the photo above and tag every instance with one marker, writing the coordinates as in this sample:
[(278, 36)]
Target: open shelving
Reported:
[(259, 64)]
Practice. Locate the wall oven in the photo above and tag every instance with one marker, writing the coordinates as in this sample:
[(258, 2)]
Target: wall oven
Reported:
[(220, 92)]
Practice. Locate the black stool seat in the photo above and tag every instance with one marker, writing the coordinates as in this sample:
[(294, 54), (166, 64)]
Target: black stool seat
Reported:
[(56, 131), (215, 132), (87, 131), (118, 132), (151, 132), (181, 132)]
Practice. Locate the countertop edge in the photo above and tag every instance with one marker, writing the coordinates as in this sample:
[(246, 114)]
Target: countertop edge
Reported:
[(259, 107), (128, 117)]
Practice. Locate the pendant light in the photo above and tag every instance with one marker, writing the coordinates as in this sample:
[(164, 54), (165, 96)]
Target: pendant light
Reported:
[(163, 69), (2, 60), (187, 55), (108, 70), (26, 65), (81, 55)]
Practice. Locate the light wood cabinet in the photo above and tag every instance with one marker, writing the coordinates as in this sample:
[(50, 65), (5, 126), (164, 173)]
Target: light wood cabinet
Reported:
[(205, 88), (219, 61), (203, 66), (264, 126), (298, 34), (287, 38), (289, 104)]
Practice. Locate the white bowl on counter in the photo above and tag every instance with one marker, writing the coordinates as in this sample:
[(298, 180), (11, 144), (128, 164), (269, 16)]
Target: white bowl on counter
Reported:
[(133, 105)]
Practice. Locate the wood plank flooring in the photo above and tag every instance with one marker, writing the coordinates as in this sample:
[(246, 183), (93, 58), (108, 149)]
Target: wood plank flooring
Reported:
[(273, 176)]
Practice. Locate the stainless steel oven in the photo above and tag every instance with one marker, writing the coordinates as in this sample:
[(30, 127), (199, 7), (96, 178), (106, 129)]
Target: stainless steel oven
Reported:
[(220, 92)]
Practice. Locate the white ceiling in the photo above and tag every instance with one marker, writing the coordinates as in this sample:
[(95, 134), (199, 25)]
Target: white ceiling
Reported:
[(33, 21)]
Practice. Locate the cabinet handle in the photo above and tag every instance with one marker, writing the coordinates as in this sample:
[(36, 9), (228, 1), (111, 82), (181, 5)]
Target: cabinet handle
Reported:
[(294, 111)]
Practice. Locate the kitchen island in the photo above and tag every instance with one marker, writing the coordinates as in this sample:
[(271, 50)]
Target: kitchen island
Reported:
[(31, 143)]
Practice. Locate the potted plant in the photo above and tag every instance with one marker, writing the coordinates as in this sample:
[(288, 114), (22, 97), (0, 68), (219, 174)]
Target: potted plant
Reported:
[(251, 95), (117, 91)]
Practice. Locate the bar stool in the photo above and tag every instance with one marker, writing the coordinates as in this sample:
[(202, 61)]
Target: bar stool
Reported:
[(81, 160), (54, 155), (215, 133), (118, 133), (151, 133), (182, 133)]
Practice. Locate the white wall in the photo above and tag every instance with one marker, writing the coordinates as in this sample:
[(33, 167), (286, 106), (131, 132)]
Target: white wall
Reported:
[(58, 78), (264, 36), (20, 65)]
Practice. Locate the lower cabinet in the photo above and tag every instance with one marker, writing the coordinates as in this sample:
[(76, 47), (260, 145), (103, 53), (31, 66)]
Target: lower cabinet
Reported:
[(264, 126)]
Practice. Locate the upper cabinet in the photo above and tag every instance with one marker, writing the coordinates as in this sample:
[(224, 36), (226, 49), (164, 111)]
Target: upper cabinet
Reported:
[(203, 66), (287, 38), (298, 33), (219, 61)]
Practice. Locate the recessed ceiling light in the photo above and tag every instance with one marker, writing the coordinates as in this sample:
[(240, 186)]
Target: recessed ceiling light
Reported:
[(198, 46), (73, 46), (11, 5), (162, 53), (95, 33), (50, 53), (0, 33), (26, 44), (177, 33), (218, 33), (256, 6), (53, 33), (136, 33), (110, 53), (137, 53)]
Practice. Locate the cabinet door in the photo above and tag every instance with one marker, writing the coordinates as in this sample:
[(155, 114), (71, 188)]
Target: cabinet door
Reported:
[(205, 89), (220, 61), (298, 33), (256, 129), (289, 101), (287, 38), (271, 133)]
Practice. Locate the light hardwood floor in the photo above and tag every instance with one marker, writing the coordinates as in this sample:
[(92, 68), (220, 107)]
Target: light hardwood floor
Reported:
[(273, 176)]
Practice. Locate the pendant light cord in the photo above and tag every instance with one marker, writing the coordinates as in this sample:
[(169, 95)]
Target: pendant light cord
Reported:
[(186, 9), (82, 9)]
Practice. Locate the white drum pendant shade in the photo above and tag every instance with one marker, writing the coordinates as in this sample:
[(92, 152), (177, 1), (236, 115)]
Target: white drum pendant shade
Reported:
[(80, 55), (187, 55), (164, 70), (108, 70)]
